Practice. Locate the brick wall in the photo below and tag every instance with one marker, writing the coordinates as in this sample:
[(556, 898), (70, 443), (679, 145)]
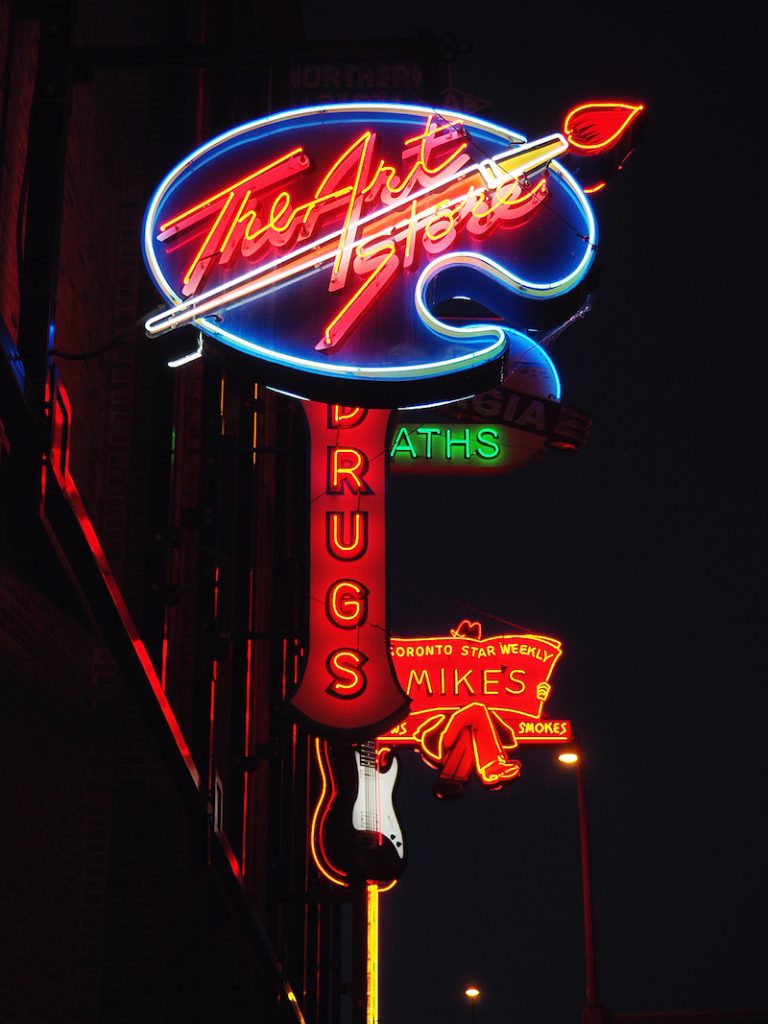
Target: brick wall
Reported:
[(18, 59), (47, 865), (110, 910)]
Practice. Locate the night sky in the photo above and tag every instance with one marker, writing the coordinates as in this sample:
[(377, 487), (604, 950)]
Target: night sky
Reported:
[(644, 553)]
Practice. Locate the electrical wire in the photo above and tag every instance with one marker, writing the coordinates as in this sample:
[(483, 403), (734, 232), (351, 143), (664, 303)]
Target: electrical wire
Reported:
[(95, 352)]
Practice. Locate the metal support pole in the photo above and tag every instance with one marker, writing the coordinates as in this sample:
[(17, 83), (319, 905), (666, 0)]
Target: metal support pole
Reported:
[(586, 889), (593, 1013)]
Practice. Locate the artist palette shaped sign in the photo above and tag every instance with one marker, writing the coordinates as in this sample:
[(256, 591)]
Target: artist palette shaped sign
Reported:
[(333, 244)]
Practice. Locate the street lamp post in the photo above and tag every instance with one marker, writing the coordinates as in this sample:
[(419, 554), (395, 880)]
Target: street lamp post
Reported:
[(472, 993), (593, 1013)]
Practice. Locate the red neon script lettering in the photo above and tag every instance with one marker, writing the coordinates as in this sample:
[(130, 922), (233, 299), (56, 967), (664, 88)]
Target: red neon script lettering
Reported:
[(366, 219)]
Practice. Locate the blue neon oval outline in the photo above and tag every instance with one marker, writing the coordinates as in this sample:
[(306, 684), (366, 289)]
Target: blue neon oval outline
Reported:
[(456, 364)]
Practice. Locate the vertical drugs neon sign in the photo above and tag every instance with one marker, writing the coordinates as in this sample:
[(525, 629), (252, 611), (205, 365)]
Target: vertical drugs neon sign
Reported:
[(348, 683)]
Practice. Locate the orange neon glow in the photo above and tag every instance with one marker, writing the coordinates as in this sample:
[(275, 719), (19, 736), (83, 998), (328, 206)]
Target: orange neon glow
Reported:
[(595, 127), (255, 429), (372, 953), (247, 723), (317, 825), (291, 997)]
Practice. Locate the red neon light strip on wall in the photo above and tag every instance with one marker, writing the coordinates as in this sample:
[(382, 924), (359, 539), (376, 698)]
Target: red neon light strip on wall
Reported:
[(59, 465), (142, 654)]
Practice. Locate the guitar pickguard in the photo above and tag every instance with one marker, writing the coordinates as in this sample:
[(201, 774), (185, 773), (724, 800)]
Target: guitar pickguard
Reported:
[(384, 821)]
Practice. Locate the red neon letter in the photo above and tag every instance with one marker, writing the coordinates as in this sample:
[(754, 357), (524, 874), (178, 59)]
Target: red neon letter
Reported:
[(345, 415), (346, 668), (346, 534), (346, 603), (347, 467)]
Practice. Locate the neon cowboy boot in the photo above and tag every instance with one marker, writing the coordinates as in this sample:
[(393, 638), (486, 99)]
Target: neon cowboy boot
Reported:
[(499, 770)]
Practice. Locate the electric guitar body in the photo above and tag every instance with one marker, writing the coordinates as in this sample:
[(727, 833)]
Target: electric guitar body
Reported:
[(356, 833)]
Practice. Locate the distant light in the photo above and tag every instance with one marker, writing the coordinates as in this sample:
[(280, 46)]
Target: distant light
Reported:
[(568, 757), (472, 992)]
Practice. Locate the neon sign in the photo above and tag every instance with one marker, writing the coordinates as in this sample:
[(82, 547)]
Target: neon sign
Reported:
[(324, 242), (451, 448), (596, 127), (354, 832), (347, 684), (494, 432), (474, 701)]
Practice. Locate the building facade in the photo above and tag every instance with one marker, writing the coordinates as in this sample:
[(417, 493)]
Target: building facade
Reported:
[(155, 861)]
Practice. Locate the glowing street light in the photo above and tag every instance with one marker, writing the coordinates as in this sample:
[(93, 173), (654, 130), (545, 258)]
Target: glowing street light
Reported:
[(593, 1013), (472, 992)]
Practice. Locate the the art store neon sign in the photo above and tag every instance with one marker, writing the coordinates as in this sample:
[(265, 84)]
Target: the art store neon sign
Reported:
[(324, 242)]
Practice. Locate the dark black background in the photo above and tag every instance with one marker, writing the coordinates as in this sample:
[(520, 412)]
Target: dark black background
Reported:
[(644, 553)]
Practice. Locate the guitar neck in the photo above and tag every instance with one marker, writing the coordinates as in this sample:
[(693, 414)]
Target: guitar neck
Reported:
[(369, 787)]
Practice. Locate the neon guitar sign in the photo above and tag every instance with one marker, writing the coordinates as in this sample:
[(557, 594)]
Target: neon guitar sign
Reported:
[(324, 241), (355, 833)]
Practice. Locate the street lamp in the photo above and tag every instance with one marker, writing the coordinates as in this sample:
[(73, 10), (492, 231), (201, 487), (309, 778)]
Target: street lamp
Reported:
[(593, 1013), (473, 994)]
